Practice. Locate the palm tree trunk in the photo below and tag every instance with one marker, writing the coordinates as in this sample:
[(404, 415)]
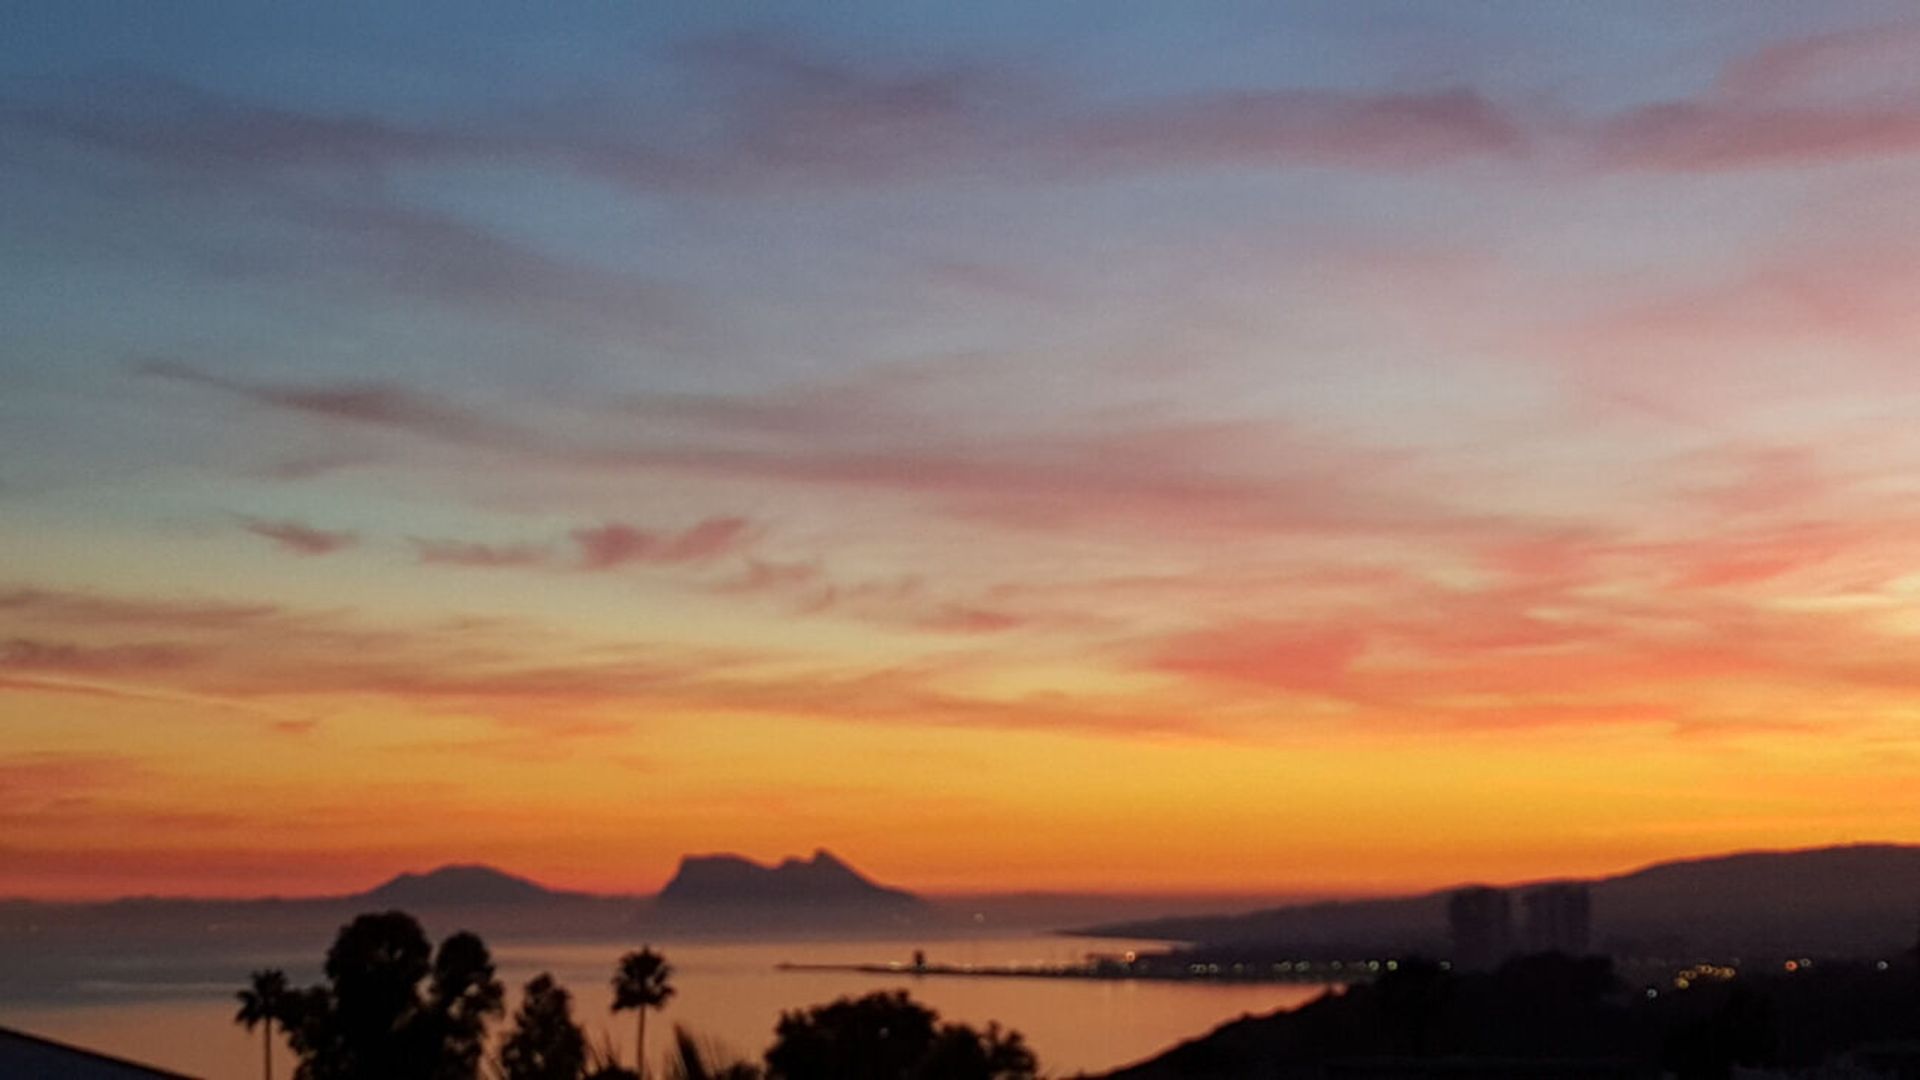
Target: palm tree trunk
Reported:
[(640, 1045), (266, 1047)]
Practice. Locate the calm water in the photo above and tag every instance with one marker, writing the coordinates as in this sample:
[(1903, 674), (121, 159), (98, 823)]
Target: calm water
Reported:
[(728, 993)]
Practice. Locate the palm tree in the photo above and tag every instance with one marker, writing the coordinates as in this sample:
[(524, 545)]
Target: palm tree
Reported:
[(260, 1005), (640, 983)]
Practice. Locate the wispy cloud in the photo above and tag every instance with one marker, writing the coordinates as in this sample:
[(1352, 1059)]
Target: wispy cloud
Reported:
[(488, 556), (1811, 101), (518, 675), (614, 544), (301, 538), (369, 404), (1277, 129)]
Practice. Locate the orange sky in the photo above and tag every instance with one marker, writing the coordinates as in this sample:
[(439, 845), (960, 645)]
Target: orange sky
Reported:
[(1361, 461)]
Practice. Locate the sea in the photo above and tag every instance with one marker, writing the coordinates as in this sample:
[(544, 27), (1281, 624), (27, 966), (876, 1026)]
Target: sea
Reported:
[(728, 994)]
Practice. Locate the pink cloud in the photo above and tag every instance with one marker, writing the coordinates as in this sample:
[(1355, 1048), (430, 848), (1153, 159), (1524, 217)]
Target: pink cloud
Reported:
[(1278, 656), (1820, 315), (961, 619), (1694, 137), (301, 539), (603, 547), (614, 544), (1808, 101), (1849, 62)]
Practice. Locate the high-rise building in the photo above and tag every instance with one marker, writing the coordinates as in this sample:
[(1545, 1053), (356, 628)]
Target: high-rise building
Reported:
[(1558, 918), (1481, 921)]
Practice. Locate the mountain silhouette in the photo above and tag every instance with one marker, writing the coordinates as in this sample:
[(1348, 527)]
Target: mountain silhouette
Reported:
[(824, 881), (458, 886), (1837, 899)]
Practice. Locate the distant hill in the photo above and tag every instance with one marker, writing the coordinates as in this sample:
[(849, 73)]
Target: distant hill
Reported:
[(1853, 898), (824, 881), (459, 886)]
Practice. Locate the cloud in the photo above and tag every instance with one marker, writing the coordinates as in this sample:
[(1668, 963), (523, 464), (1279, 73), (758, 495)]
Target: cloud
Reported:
[(382, 246), (363, 404), (615, 544), (165, 119), (962, 619), (214, 156), (1808, 101), (807, 589), (531, 678), (1850, 63), (1299, 659), (1296, 127), (69, 658), (99, 611), (40, 776), (1709, 137), (763, 575), (1166, 476), (607, 546), (301, 539), (487, 556), (1814, 317), (776, 114)]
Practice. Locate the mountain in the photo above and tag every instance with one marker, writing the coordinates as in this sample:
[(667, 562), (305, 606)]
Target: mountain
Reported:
[(1824, 899), (459, 886), (1839, 899), (824, 881)]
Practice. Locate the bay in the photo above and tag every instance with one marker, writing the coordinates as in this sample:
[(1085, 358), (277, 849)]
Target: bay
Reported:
[(729, 994)]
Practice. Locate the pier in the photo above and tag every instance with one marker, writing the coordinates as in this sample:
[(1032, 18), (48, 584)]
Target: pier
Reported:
[(1157, 968)]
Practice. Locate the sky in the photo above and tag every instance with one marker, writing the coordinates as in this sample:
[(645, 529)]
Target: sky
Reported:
[(1230, 448)]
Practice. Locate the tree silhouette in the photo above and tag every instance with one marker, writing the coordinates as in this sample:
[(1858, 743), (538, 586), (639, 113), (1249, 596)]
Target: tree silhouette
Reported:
[(371, 1021), (641, 983), (462, 997), (961, 1053), (375, 967), (888, 1036), (877, 1037), (262, 1004), (545, 1044)]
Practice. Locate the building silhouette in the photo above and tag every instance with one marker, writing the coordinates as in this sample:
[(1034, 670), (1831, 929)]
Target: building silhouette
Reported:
[(1480, 920), (1558, 918), (24, 1055)]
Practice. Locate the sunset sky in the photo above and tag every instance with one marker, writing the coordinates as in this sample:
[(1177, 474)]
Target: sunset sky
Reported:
[(1267, 448)]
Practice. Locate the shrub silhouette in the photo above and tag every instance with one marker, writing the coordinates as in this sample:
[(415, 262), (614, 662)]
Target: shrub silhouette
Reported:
[(888, 1036), (691, 1061)]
